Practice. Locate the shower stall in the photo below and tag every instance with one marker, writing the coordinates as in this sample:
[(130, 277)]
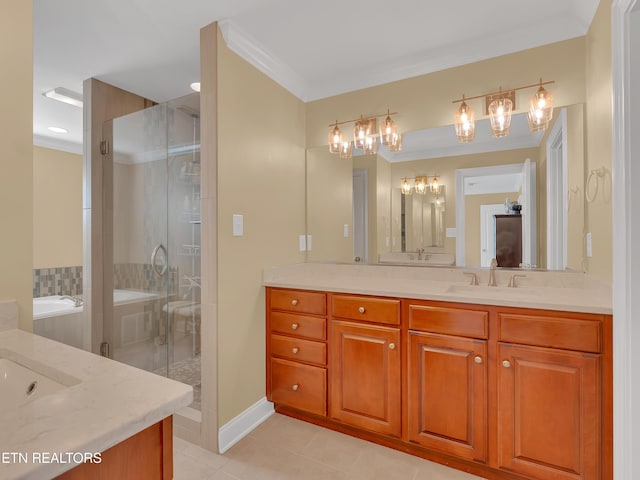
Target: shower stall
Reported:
[(151, 185)]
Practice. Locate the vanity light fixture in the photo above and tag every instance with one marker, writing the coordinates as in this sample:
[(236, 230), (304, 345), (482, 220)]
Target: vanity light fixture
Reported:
[(421, 185), (465, 122), (540, 109), (65, 95), (365, 135), (499, 107)]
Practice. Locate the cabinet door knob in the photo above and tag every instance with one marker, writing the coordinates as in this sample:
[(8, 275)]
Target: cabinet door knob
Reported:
[(295, 387), (506, 363), (478, 359), (294, 326), (361, 309), (294, 350), (392, 346), (294, 302)]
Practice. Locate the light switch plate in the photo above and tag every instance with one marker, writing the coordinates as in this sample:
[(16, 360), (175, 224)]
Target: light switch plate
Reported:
[(302, 239), (345, 230), (451, 233), (308, 243), (238, 225), (589, 245)]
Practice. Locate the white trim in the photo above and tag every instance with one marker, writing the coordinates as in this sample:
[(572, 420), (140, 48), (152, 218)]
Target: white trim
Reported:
[(461, 175), (364, 174), (241, 43), (557, 225), (625, 231), (529, 213), (488, 232), (57, 144), (238, 427)]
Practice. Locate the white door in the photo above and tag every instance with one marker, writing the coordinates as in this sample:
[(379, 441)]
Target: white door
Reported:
[(488, 232), (360, 215)]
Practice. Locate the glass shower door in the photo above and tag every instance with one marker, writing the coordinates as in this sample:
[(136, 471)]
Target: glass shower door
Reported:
[(137, 289)]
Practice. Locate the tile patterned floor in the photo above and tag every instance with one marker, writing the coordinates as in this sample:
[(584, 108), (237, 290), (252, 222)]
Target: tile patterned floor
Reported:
[(286, 449), (186, 371)]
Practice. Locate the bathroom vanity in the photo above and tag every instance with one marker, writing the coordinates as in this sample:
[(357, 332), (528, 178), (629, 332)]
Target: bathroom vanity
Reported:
[(60, 403), (504, 383)]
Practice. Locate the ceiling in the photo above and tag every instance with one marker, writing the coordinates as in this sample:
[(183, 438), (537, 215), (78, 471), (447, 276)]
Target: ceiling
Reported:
[(314, 49)]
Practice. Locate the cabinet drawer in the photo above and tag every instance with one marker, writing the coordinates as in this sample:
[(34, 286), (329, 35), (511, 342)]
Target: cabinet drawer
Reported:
[(299, 301), (555, 332), (449, 321), (370, 309), (299, 386), (299, 325), (298, 349)]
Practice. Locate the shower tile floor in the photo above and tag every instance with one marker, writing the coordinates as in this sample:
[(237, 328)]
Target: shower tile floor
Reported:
[(186, 371)]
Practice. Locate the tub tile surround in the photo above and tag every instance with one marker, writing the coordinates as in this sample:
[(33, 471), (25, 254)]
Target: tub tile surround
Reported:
[(105, 403), (57, 281), (8, 315), (553, 290)]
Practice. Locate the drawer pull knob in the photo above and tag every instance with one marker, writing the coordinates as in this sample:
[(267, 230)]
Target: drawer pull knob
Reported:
[(506, 363), (361, 309), (478, 359), (294, 326), (295, 387), (392, 346), (294, 302), (294, 350)]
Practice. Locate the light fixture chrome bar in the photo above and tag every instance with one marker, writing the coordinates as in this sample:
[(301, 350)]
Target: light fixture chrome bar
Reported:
[(64, 95)]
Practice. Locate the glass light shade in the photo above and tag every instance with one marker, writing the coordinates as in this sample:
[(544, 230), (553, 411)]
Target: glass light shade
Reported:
[(405, 187), (388, 130), (335, 139), (540, 109), (465, 123), (434, 186), (346, 149), (500, 116), (421, 185), (370, 145), (360, 133), (396, 143)]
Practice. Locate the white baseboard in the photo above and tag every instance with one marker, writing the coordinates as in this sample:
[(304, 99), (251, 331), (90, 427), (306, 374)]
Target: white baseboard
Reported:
[(237, 428)]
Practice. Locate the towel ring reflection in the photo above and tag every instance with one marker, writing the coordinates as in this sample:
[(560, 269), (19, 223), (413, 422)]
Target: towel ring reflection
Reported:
[(596, 173), (161, 269)]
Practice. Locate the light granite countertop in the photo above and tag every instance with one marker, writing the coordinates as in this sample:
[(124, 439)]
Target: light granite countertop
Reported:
[(552, 290), (106, 403)]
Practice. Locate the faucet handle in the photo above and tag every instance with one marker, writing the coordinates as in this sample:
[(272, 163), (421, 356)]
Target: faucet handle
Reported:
[(474, 277), (512, 279)]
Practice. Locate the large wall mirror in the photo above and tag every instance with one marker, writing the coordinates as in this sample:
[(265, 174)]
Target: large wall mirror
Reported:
[(356, 211)]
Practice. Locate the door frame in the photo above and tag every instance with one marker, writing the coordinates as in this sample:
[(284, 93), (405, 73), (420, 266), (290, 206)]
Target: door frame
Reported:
[(488, 231), (361, 200), (557, 193)]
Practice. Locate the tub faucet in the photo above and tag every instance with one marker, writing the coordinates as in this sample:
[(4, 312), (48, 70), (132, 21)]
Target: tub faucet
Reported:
[(492, 273), (77, 302)]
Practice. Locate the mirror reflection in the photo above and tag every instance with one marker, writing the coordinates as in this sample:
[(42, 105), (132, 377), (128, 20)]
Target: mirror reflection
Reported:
[(356, 210)]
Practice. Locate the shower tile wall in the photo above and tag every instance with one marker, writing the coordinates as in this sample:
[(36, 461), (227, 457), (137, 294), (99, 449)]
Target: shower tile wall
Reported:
[(57, 281), (140, 276)]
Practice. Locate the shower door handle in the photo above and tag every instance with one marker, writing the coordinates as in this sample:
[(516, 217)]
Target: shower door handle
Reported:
[(160, 269)]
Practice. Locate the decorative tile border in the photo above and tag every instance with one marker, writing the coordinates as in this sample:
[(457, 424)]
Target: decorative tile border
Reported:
[(57, 281)]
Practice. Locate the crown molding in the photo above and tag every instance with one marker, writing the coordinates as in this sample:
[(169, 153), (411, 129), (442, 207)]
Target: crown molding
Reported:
[(57, 144), (241, 43)]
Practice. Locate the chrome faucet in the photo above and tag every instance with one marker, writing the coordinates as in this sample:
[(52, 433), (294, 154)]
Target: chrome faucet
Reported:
[(77, 302), (512, 280), (492, 273)]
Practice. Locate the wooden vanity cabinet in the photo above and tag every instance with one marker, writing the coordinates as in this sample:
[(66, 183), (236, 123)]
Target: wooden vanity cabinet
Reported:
[(447, 379), (297, 349), (550, 396), (365, 363)]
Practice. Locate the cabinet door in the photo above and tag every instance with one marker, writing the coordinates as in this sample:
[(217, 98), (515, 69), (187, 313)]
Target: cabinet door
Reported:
[(365, 376), (448, 394), (549, 413)]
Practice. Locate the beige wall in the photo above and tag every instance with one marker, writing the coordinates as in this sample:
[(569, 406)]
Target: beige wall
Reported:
[(472, 226), (261, 175), (57, 208), (598, 128), (16, 159), (327, 195), (446, 168)]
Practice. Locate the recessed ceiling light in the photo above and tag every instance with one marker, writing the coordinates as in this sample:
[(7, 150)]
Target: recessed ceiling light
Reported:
[(64, 95), (58, 129), (195, 86)]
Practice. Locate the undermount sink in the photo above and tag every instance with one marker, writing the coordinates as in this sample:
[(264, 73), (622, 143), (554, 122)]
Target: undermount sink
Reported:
[(20, 385), (499, 292)]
